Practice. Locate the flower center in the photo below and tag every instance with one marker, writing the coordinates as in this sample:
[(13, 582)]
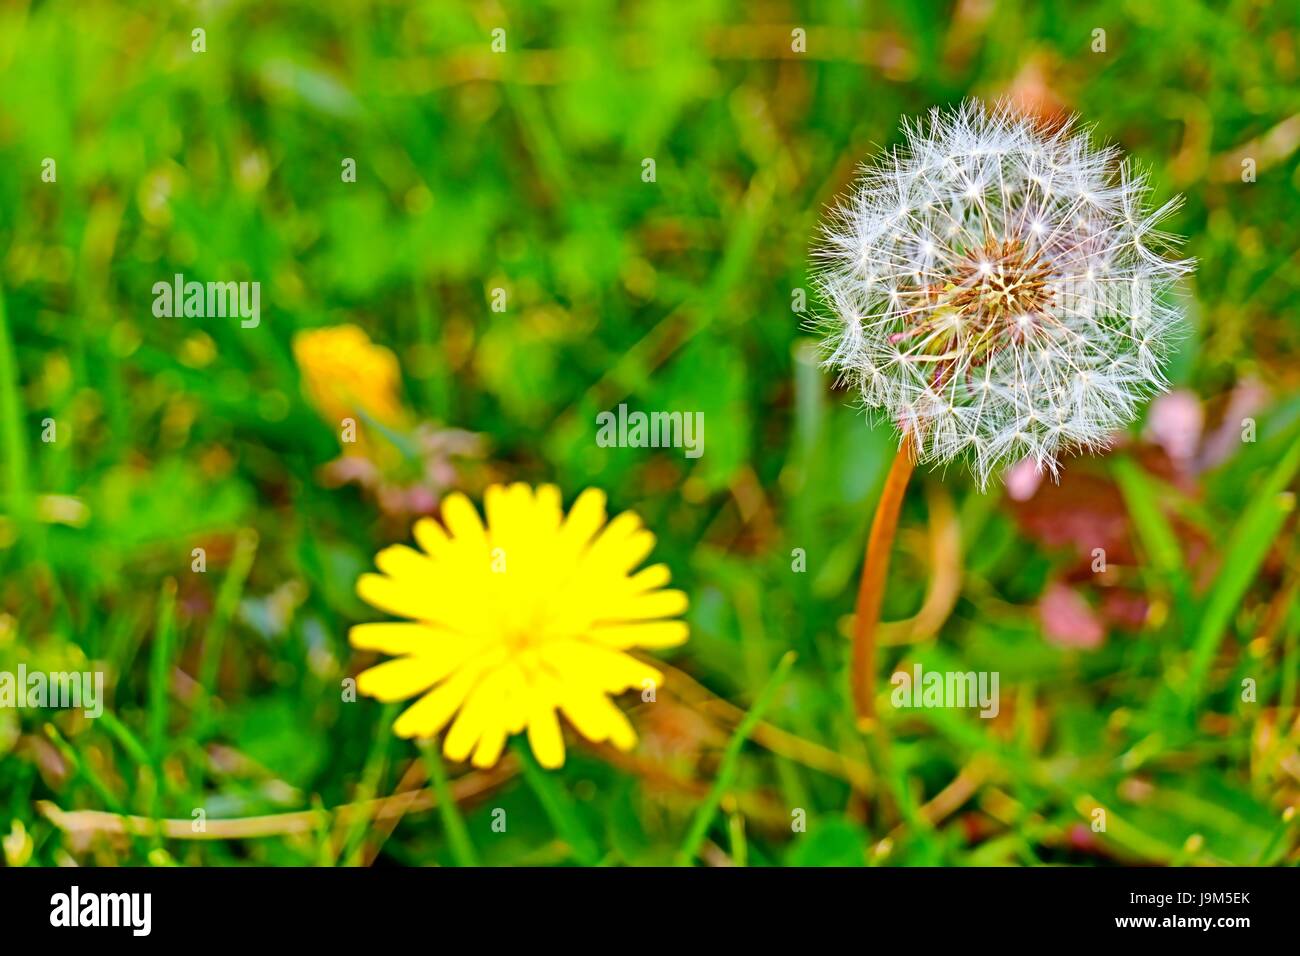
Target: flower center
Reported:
[(996, 296), (1000, 283)]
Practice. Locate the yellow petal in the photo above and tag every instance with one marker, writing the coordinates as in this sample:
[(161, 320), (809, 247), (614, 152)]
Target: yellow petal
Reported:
[(585, 518), (396, 637), (399, 561), (490, 745), (508, 508), (649, 579), (463, 521), (596, 666), (396, 597), (480, 715), (549, 509), (451, 601), (430, 536), (430, 713), (644, 607), (516, 698), (593, 716), (621, 546), (621, 735), (651, 634), (545, 738), (401, 678)]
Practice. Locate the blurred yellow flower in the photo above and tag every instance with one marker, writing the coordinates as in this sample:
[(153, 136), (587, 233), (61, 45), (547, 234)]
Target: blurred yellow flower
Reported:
[(511, 622), (345, 375)]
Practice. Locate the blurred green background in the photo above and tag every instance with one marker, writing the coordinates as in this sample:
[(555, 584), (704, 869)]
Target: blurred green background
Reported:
[(1128, 691)]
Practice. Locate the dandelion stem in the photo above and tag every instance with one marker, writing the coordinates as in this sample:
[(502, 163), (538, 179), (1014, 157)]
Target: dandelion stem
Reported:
[(871, 587)]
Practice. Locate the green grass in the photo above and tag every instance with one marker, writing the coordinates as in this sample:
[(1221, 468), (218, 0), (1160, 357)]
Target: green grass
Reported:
[(523, 171)]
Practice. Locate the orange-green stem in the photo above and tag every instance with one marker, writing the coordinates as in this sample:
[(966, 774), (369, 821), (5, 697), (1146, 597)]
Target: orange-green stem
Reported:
[(871, 587)]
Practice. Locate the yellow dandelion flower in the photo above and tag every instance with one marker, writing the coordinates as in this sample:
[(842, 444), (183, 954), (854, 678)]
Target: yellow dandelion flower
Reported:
[(512, 622), (345, 375)]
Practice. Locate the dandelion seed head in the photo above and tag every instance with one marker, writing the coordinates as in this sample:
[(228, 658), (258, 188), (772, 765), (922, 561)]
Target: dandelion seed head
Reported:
[(1001, 289)]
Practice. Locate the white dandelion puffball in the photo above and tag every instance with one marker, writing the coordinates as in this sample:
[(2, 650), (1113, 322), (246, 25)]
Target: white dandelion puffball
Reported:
[(1000, 289)]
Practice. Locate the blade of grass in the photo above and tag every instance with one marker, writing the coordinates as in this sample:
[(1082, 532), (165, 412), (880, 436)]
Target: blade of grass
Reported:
[(558, 804), (462, 847), (730, 760), (1275, 848), (1251, 539), (739, 846), (368, 789), (1290, 690), (159, 694), (17, 488), (84, 770), (128, 741), (1123, 835), (232, 589), (754, 652), (323, 832), (159, 666), (436, 379), (1158, 537)]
